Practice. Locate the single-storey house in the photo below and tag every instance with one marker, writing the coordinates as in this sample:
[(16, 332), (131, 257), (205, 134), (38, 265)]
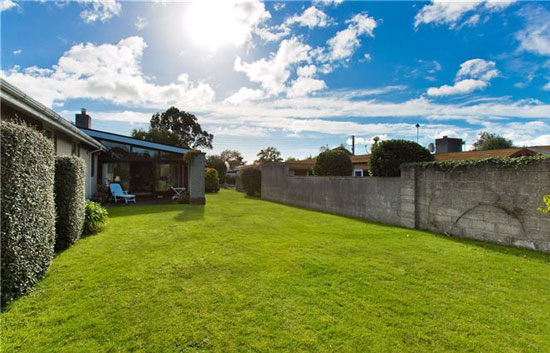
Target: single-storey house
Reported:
[(304, 167), (142, 167)]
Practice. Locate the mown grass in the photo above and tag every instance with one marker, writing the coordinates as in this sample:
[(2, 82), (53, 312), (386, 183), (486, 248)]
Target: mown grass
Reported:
[(245, 275)]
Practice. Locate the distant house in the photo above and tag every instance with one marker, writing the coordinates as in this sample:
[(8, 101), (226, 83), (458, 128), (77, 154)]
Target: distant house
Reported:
[(142, 167), (502, 153), (304, 167)]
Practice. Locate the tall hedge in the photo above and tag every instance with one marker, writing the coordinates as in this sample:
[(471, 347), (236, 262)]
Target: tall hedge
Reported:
[(211, 181), (387, 156), (70, 200), (334, 162), (251, 178), (28, 211)]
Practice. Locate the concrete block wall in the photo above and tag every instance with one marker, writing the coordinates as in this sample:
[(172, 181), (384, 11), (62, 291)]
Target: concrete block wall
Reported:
[(376, 199), (486, 203)]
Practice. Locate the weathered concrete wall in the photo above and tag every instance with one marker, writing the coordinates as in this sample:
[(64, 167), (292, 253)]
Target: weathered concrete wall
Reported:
[(196, 180), (376, 199), (487, 203)]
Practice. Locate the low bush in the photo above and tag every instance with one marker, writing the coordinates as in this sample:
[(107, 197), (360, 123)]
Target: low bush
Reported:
[(251, 178), (333, 163), (184, 197), (28, 211), (387, 156), (95, 218), (217, 163), (70, 197), (211, 181)]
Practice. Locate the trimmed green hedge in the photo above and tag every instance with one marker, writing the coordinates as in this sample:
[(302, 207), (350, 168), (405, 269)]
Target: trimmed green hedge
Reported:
[(95, 218), (28, 211), (211, 180), (336, 162), (515, 163), (388, 156), (70, 197), (251, 178)]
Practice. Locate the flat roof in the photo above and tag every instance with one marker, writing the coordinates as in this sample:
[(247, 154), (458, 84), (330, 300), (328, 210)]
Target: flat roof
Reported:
[(132, 141)]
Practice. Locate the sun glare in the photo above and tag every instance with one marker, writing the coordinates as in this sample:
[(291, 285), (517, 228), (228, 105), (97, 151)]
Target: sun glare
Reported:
[(215, 23)]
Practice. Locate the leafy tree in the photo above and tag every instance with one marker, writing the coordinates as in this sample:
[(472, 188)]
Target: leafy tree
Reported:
[(251, 177), (291, 159), (211, 180), (269, 154), (387, 156), (175, 127), (166, 137), (217, 162), (488, 141), (233, 158), (333, 163), (343, 149)]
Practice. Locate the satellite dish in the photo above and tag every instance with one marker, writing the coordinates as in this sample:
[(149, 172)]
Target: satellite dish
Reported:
[(431, 147)]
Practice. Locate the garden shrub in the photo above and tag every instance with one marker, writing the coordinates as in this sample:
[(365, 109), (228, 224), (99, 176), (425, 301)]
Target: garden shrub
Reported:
[(387, 156), (217, 163), (95, 218), (251, 178), (28, 211), (184, 197), (70, 181), (333, 163), (211, 181)]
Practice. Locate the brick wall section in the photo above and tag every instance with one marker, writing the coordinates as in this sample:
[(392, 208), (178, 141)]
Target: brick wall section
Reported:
[(486, 203), (376, 199)]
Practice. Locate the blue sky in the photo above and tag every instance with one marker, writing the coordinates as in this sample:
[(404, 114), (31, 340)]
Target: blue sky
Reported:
[(294, 75)]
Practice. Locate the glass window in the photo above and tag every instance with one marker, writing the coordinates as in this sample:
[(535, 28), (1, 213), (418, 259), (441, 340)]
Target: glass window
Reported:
[(75, 149), (170, 155), (144, 152), (116, 150), (167, 175), (117, 173)]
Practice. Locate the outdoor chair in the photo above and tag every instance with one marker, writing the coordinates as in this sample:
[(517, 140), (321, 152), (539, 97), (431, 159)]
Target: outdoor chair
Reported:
[(117, 192), (177, 192)]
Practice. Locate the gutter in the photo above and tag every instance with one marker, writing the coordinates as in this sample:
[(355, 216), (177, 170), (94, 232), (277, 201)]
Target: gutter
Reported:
[(19, 99)]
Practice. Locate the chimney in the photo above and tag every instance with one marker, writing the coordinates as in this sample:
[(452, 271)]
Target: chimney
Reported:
[(83, 120), (446, 145)]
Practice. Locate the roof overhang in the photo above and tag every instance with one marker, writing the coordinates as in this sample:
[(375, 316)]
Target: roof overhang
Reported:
[(21, 101)]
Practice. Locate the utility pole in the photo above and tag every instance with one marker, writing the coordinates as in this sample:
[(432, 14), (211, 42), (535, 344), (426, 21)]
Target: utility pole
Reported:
[(353, 145), (417, 126)]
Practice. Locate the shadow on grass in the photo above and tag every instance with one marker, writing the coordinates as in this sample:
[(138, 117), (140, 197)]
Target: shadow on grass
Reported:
[(190, 213)]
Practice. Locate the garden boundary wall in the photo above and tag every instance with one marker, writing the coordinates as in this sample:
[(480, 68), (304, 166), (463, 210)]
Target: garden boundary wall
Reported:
[(485, 202)]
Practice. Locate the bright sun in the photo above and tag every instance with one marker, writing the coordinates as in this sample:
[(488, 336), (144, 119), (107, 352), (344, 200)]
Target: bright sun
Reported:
[(215, 23)]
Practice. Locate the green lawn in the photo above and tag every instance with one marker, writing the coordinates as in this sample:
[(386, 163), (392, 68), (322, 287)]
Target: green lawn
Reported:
[(245, 275)]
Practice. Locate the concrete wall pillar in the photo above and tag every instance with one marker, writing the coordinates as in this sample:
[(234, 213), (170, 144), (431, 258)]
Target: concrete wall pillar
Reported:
[(196, 180)]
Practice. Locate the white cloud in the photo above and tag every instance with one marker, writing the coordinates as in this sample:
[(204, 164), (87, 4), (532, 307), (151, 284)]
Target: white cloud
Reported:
[(100, 10), (460, 87), (245, 94), (215, 23), (17, 52), (312, 17), (141, 23), (478, 69), (367, 57), (449, 12), (110, 72), (273, 33), (345, 42), (7, 4), (279, 6), (328, 2), (305, 83), (535, 37), (473, 75), (274, 72), (546, 87)]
